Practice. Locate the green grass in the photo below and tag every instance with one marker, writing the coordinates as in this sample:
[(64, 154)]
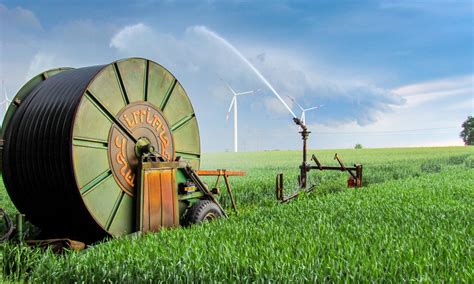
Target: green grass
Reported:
[(412, 222)]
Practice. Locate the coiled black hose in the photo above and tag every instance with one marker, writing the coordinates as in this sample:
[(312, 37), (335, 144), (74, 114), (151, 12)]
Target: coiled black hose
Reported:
[(37, 161)]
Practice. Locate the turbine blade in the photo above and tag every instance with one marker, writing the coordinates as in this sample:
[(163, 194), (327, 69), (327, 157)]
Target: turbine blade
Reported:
[(245, 93), (230, 108), (296, 103), (313, 107), (299, 106), (230, 88)]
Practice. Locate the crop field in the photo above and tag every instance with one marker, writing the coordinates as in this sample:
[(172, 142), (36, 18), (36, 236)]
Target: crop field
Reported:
[(412, 221)]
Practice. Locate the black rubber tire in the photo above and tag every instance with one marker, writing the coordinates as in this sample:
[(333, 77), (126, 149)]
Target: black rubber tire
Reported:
[(203, 210)]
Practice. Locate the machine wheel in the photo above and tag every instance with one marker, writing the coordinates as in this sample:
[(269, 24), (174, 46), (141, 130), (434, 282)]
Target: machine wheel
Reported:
[(203, 210)]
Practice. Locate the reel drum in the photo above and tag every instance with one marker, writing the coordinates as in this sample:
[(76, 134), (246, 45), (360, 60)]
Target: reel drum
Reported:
[(72, 142)]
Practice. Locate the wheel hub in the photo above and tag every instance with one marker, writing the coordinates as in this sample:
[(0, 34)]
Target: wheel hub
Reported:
[(143, 146)]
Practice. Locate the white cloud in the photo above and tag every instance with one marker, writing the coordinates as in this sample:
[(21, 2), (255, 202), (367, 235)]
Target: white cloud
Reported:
[(425, 92), (40, 63), (19, 29), (130, 36), (432, 117), (18, 19), (274, 105), (463, 105), (28, 49)]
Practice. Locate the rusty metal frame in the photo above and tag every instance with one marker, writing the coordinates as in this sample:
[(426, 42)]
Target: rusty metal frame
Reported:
[(355, 172), (225, 174)]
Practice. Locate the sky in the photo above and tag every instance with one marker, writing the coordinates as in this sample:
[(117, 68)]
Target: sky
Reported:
[(388, 73)]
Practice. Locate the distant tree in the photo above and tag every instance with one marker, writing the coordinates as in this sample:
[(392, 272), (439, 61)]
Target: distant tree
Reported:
[(358, 146), (467, 133)]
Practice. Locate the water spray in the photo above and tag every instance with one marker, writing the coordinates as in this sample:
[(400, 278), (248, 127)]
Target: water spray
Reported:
[(254, 69)]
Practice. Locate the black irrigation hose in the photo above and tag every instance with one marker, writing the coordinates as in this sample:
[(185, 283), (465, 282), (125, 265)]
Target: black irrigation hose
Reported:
[(37, 156), (10, 227)]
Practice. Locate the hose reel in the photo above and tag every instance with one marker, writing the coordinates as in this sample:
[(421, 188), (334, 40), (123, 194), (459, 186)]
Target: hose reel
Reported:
[(73, 139)]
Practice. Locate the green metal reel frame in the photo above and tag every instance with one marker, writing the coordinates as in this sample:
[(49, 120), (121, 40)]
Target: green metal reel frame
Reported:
[(117, 86)]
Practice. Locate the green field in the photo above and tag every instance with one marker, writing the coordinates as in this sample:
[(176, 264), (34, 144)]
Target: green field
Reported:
[(412, 221)]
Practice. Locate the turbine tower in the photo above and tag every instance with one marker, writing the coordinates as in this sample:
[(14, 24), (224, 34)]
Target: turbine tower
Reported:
[(304, 110), (234, 105)]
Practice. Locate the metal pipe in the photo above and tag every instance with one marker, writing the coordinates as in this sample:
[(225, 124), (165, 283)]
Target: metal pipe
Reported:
[(19, 226), (331, 168), (304, 166)]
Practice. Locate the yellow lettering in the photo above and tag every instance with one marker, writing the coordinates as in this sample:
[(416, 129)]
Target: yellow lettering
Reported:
[(129, 122), (129, 178), (156, 121), (136, 116), (148, 116), (125, 171), (142, 115)]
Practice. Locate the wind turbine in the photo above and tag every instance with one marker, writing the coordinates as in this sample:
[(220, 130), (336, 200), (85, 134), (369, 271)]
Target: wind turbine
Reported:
[(6, 100), (233, 103), (304, 110)]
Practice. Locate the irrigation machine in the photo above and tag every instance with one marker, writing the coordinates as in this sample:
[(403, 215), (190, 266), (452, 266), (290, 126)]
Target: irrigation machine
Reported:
[(110, 150)]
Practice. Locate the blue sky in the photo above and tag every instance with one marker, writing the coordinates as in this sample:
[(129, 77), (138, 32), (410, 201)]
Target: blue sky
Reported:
[(389, 73)]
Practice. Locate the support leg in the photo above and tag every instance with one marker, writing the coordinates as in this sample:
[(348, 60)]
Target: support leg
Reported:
[(229, 190)]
